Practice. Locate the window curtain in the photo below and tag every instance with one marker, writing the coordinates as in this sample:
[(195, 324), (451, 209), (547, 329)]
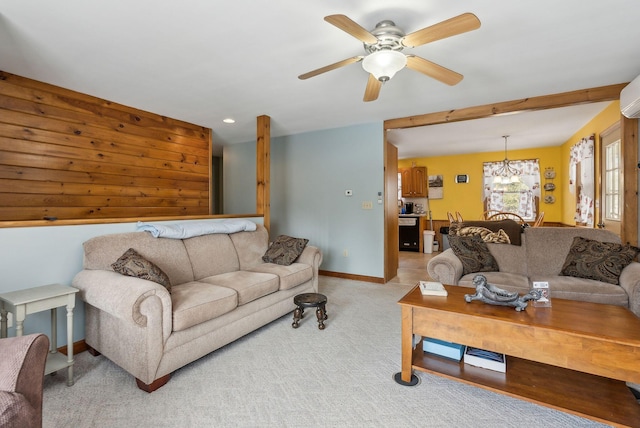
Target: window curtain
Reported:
[(582, 162), (530, 177)]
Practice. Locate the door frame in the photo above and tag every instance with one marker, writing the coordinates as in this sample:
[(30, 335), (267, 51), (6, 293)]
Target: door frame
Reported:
[(628, 127)]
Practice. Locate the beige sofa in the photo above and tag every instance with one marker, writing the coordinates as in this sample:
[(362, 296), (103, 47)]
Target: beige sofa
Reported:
[(540, 257), (220, 290)]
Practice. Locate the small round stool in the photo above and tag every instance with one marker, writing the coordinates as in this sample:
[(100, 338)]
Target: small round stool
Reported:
[(307, 300)]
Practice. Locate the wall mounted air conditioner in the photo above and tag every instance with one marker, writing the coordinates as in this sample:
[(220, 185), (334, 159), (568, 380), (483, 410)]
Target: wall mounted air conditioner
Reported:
[(630, 99)]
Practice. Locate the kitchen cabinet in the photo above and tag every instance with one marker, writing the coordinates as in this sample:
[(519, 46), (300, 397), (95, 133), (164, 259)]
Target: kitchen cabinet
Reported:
[(414, 182)]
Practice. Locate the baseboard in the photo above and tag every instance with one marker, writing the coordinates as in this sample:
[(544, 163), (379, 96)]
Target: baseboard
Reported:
[(78, 347), (352, 276)]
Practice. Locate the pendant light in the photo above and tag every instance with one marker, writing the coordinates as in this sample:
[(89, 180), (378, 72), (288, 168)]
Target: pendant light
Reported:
[(506, 173)]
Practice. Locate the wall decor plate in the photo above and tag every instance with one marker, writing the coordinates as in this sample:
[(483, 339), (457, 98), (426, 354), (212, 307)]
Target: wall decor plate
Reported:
[(549, 187), (549, 199), (549, 173)]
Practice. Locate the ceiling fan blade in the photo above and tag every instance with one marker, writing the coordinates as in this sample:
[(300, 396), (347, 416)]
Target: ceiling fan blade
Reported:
[(451, 27), (347, 25), (434, 70), (373, 89), (331, 67)]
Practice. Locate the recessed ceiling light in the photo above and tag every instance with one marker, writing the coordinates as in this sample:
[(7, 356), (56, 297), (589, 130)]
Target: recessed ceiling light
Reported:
[(229, 120)]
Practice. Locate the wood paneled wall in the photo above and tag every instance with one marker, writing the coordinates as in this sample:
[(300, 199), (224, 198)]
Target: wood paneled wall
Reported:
[(66, 155)]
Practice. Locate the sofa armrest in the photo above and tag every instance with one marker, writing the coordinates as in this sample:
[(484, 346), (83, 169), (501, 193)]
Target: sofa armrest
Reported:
[(445, 267), (630, 282), (311, 256), (127, 298)]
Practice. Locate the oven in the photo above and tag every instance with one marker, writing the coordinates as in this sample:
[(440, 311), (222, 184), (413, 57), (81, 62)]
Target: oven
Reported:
[(409, 233)]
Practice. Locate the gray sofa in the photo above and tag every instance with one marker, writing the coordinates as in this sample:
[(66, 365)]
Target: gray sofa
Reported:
[(220, 290), (540, 257)]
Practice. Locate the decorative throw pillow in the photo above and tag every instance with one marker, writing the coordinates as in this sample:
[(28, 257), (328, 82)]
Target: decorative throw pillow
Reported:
[(131, 263), (473, 253), (602, 261), (499, 237), (284, 250)]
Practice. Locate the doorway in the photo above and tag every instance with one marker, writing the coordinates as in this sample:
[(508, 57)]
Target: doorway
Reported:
[(611, 179)]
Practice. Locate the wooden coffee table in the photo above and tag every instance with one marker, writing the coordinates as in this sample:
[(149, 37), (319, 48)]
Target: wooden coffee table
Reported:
[(573, 356)]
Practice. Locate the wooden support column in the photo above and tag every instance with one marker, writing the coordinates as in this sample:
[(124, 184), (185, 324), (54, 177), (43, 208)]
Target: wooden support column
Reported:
[(629, 223), (263, 169)]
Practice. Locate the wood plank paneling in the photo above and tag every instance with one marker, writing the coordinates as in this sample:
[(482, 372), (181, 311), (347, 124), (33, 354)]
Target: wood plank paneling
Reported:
[(71, 156)]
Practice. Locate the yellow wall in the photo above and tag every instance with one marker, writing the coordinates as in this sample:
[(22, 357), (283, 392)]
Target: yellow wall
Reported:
[(601, 122), (467, 198)]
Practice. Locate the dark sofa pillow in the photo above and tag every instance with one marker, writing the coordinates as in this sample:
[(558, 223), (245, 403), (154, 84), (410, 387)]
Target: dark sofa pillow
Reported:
[(285, 250), (601, 261), (473, 253), (131, 263)]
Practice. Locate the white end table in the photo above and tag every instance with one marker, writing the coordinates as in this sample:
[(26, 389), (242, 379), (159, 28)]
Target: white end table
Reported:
[(24, 302)]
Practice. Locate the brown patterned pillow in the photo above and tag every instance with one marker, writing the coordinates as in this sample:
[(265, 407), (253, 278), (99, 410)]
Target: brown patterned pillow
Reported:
[(473, 253), (499, 237), (601, 261), (284, 250), (133, 264)]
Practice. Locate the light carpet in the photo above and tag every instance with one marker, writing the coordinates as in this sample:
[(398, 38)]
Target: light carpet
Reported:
[(279, 376)]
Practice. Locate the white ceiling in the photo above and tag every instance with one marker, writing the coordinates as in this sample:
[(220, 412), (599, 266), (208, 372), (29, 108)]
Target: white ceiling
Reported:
[(525, 130), (204, 60)]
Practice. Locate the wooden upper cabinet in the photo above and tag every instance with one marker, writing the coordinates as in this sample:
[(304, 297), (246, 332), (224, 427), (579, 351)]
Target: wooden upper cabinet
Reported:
[(414, 182)]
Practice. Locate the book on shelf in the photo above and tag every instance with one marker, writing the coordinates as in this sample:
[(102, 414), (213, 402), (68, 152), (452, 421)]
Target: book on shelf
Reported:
[(432, 288), (485, 359), (442, 348)]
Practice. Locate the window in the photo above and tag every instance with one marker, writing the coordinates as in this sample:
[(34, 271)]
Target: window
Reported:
[(613, 174), (520, 197)]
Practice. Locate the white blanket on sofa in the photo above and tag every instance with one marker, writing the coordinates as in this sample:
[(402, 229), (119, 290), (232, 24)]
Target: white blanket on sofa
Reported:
[(197, 228)]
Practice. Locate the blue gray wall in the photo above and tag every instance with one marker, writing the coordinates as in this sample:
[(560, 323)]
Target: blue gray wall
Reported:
[(310, 173), (34, 256)]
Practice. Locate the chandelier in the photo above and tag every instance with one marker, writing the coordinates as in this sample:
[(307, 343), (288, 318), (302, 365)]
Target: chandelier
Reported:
[(506, 174)]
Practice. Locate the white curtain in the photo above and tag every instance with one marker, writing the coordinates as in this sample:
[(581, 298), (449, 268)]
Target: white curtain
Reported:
[(582, 155), (530, 177)]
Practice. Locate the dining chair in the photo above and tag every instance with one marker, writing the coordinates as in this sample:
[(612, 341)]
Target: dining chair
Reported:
[(539, 220), (506, 215)]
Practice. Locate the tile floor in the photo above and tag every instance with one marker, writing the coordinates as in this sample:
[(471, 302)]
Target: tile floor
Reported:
[(412, 267)]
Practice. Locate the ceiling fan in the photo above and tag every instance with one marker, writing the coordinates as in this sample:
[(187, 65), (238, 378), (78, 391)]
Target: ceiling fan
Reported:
[(384, 45)]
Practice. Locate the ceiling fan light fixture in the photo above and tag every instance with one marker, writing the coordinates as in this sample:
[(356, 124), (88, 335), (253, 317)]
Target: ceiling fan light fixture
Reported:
[(384, 64)]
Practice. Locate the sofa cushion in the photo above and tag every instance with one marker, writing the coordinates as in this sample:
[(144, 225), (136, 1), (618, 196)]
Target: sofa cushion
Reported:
[(196, 302), (586, 290), (101, 251), (473, 253), (250, 246), (133, 264), (547, 247), (290, 276), (601, 261), (248, 285), (211, 255), (510, 257), (285, 250)]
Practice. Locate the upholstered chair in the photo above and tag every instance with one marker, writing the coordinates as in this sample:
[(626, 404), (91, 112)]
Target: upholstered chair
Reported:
[(22, 362)]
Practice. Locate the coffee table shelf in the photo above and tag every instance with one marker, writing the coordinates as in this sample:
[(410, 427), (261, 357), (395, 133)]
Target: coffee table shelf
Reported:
[(593, 397), (544, 350)]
